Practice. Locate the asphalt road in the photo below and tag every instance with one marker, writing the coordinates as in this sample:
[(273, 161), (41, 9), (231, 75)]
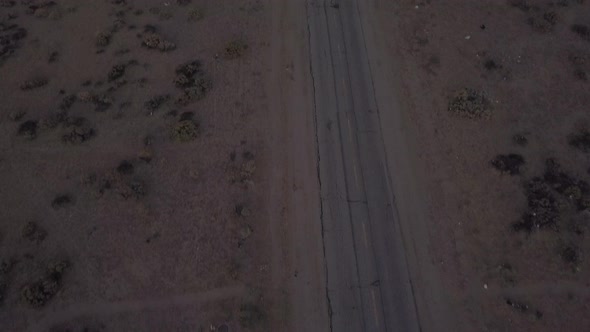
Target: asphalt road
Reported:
[(368, 285)]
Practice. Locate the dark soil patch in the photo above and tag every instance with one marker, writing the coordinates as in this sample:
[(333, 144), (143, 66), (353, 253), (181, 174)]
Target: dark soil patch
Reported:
[(581, 30), (53, 119), (185, 131), (581, 75), (520, 139), (235, 49), (155, 102), (125, 167), (32, 232), (5, 269), (28, 129), (543, 209), (522, 307), (135, 188), (570, 254), (79, 130), (549, 196), (116, 72), (251, 315), (580, 141), (471, 104), (490, 65), (545, 22), (38, 293), (16, 115), (156, 42), (62, 201), (10, 37), (33, 84), (192, 80), (186, 116), (510, 163), (67, 102)]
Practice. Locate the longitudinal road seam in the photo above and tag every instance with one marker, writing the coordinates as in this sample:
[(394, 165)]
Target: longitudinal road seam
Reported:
[(317, 141)]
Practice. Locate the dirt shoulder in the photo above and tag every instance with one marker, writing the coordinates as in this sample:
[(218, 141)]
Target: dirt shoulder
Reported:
[(295, 213)]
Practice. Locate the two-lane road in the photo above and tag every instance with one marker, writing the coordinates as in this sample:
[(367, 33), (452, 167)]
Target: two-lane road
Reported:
[(368, 285)]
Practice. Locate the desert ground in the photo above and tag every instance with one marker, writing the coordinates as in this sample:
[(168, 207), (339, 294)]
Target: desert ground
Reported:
[(161, 168)]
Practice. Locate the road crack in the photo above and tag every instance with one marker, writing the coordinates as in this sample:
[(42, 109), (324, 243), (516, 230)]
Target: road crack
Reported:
[(317, 141)]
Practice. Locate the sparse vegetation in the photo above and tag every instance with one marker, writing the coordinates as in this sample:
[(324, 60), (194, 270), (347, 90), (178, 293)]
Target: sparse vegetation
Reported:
[(510, 163), (32, 232), (33, 84), (155, 41), (62, 201), (38, 293), (583, 31), (116, 72), (580, 141), (251, 315), (28, 129), (235, 49), (103, 39), (185, 131), (196, 14), (471, 104)]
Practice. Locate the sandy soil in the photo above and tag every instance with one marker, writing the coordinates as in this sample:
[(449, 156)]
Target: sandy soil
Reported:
[(492, 90), (135, 190)]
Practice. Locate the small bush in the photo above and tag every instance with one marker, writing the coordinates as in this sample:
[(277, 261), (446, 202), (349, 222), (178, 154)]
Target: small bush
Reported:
[(580, 141), (103, 39), (581, 30), (185, 131), (510, 163), (38, 293), (155, 41), (33, 84), (235, 49), (471, 104), (196, 14), (28, 129), (251, 315), (61, 201), (32, 232)]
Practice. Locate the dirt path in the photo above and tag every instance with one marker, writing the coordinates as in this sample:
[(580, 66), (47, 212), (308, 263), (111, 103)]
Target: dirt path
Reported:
[(109, 309)]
